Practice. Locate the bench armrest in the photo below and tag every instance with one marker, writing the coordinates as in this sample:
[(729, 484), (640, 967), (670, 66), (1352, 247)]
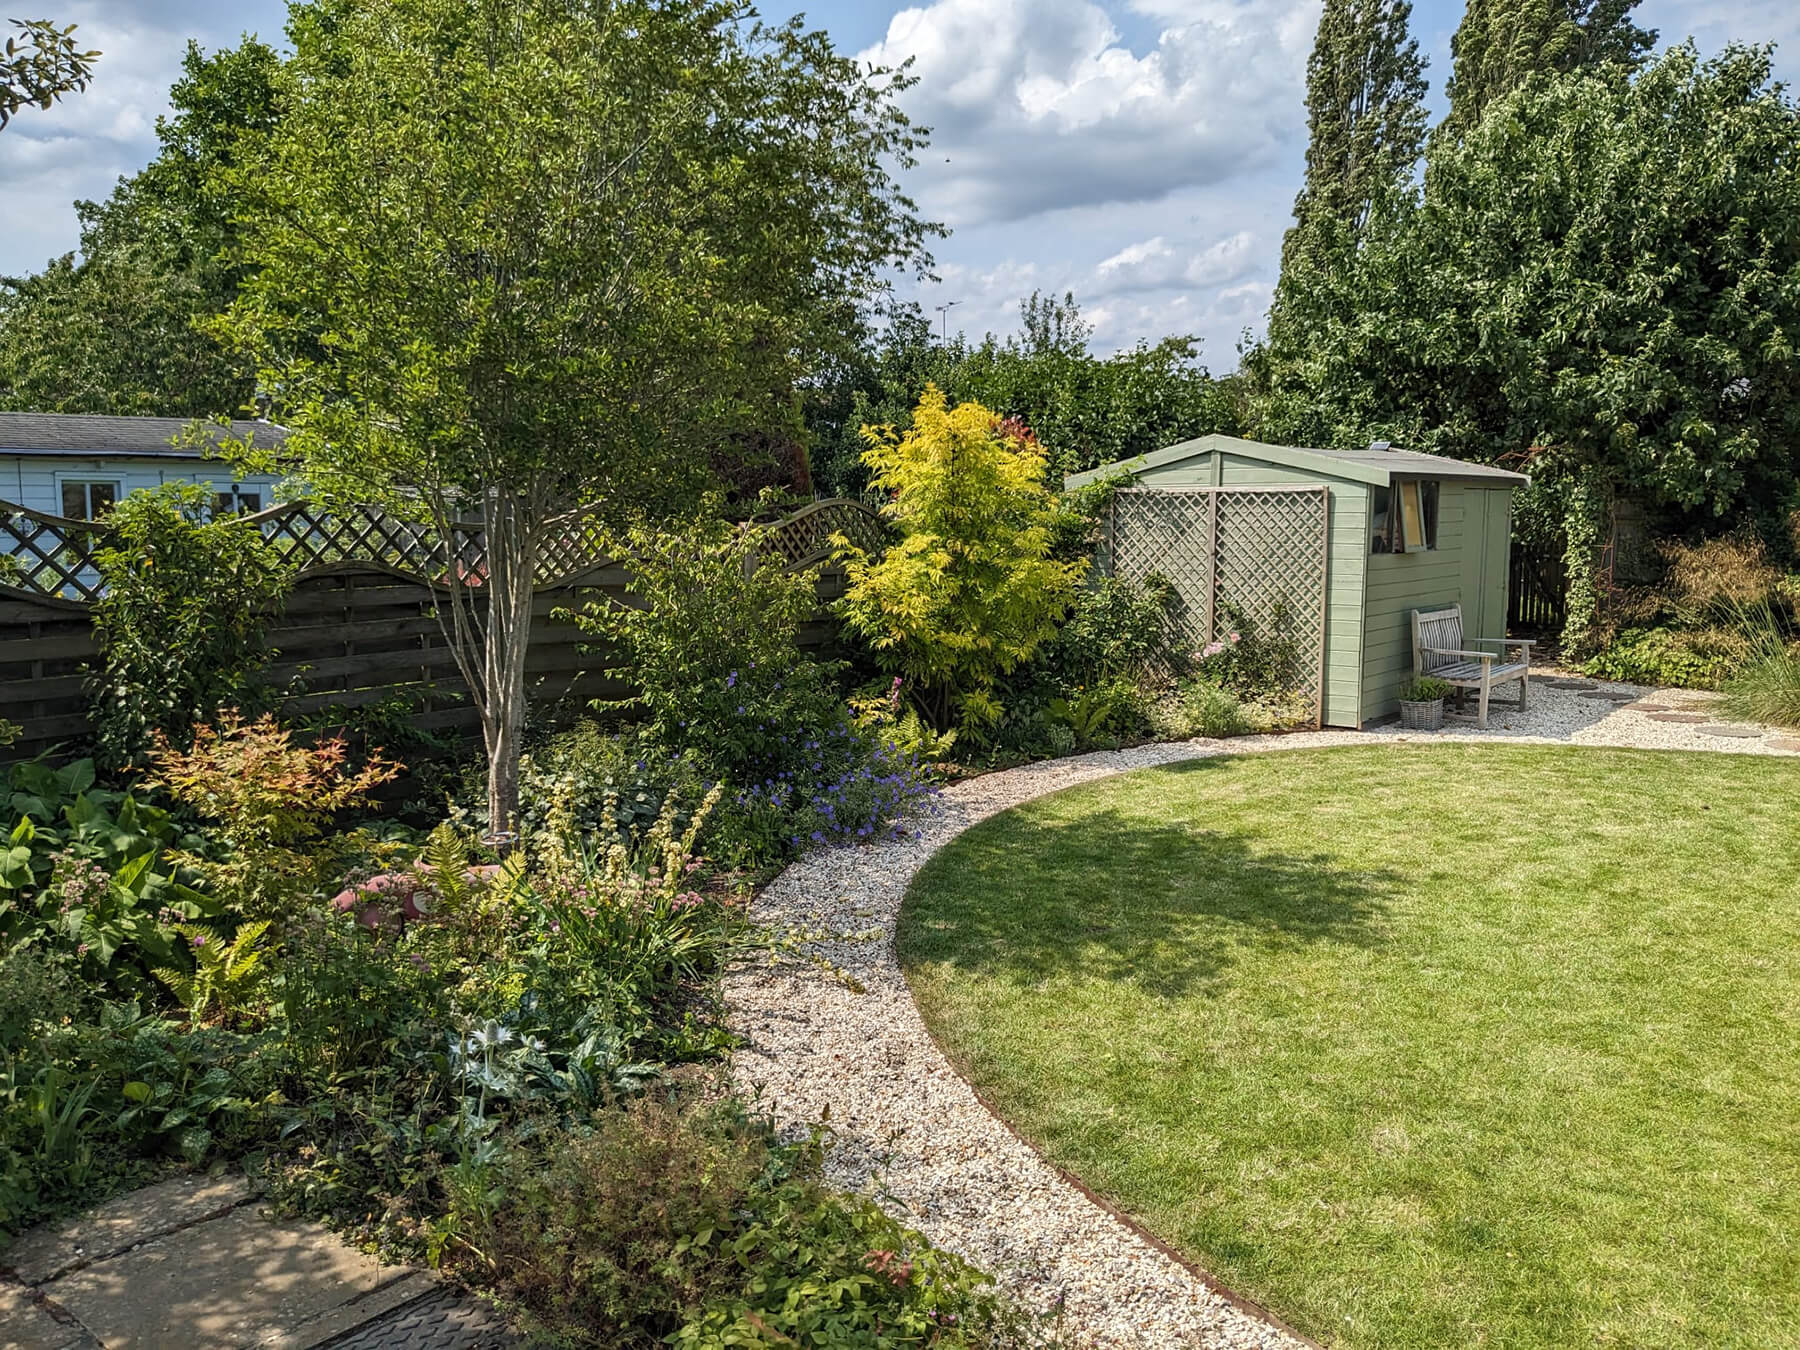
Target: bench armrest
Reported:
[(1457, 651), (1527, 643)]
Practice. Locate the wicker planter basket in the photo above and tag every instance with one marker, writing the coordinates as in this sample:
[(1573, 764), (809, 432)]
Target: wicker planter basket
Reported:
[(1427, 716)]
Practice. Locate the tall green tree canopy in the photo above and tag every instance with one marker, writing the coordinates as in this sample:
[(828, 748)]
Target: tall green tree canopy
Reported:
[(1085, 409), (1500, 42), (1600, 283), (519, 258), (1365, 91), (117, 330)]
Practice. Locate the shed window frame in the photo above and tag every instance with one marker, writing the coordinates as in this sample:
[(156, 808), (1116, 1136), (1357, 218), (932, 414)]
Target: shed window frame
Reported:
[(238, 499), (1413, 515), (87, 483)]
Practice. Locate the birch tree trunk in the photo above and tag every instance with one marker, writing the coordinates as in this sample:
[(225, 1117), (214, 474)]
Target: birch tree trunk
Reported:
[(512, 569)]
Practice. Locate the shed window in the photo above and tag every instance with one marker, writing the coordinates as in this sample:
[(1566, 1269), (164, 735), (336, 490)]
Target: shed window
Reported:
[(1404, 517), (88, 499)]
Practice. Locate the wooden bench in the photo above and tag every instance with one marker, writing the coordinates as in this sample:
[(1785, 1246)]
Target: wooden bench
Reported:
[(1441, 651)]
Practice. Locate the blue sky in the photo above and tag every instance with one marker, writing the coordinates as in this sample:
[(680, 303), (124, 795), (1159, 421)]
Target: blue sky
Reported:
[(1142, 153)]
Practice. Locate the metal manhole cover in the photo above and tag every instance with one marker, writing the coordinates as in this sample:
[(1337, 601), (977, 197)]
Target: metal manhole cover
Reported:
[(442, 1320), (1608, 696)]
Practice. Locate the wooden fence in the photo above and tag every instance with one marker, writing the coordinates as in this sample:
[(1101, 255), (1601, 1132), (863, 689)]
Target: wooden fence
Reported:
[(1535, 599), (361, 624)]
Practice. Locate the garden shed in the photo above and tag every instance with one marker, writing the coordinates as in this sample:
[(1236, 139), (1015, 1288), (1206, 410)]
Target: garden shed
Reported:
[(1333, 549)]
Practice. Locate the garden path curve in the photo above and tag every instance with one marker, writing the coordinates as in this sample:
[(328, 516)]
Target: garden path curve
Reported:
[(910, 1131)]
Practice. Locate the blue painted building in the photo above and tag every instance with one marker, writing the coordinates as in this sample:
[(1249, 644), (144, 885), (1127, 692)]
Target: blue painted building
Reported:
[(76, 465)]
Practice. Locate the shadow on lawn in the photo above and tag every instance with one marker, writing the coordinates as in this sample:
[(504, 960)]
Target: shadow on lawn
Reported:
[(1167, 906)]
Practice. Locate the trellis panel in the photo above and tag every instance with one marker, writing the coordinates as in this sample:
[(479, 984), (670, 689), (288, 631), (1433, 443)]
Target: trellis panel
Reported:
[(1257, 551), (360, 623)]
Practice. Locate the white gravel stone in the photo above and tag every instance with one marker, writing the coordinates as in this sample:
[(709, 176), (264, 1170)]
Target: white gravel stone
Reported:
[(908, 1130)]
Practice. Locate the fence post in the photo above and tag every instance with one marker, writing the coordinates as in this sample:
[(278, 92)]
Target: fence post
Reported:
[(1212, 564)]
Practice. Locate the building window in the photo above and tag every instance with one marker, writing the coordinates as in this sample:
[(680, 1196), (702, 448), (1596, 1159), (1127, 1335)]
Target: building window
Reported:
[(1404, 518), (88, 499), (236, 501)]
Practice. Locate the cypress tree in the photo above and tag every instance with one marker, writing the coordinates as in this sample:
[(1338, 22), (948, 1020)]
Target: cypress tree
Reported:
[(1500, 42)]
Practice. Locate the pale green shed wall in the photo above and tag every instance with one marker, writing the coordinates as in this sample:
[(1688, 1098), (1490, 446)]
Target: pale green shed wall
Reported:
[(1467, 568), (1347, 539)]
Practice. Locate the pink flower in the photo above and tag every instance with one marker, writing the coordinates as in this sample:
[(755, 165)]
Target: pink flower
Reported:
[(1234, 637)]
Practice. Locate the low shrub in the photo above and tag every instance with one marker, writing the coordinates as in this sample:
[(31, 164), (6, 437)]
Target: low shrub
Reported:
[(1115, 629), (1200, 708), (93, 876), (1676, 657), (1425, 689), (686, 1224), (714, 652), (1253, 660), (180, 622)]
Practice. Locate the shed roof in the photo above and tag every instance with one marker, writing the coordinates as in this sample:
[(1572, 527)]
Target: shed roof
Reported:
[(1379, 467), (87, 434)]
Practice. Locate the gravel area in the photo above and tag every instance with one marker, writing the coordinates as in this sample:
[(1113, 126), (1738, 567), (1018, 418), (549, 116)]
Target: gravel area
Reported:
[(909, 1131)]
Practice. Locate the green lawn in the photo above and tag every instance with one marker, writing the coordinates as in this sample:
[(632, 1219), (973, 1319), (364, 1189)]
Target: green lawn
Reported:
[(1418, 1045)]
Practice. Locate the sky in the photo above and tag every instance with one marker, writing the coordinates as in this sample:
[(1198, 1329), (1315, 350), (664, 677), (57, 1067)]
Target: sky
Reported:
[(1143, 154)]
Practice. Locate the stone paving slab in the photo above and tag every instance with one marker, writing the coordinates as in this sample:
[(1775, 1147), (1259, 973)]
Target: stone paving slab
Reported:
[(26, 1325), (1731, 733), (138, 1216), (233, 1281)]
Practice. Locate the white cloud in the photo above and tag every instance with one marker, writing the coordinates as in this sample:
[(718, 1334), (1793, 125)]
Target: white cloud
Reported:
[(79, 147), (1039, 104), (1156, 264)]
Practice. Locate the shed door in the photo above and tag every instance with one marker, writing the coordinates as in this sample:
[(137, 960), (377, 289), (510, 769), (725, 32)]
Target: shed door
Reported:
[(1487, 528)]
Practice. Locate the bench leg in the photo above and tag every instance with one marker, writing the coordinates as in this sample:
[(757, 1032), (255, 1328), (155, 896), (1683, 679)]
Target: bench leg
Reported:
[(1525, 689), (1481, 720)]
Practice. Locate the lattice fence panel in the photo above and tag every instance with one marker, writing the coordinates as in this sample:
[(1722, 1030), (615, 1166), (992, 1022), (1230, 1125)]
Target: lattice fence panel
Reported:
[(1252, 555), (48, 555), (805, 536)]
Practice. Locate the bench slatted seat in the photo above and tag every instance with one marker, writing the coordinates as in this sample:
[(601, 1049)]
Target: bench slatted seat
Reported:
[(1441, 651)]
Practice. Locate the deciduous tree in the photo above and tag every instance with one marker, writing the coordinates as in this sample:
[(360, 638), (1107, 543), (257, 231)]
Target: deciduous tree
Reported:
[(529, 259)]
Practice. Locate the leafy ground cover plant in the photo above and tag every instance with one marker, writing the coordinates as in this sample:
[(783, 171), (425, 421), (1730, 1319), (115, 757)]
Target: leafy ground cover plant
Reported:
[(682, 1222)]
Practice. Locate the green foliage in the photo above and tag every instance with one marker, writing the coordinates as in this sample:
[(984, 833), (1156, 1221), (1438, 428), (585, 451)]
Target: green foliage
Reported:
[(1201, 708), (1253, 660), (1116, 628), (41, 64), (1682, 658), (676, 214), (226, 976), (1542, 301), (1766, 685), (970, 591), (87, 873), (1424, 689), (1501, 43), (181, 620), (713, 650), (119, 330), (881, 711), (687, 1225), (1365, 103), (1088, 410)]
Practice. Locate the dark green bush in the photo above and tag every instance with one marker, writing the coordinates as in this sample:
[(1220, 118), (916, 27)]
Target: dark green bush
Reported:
[(714, 652), (1681, 658), (180, 623)]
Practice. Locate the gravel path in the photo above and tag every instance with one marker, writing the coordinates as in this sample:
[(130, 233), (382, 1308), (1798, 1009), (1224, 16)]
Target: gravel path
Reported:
[(911, 1132)]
